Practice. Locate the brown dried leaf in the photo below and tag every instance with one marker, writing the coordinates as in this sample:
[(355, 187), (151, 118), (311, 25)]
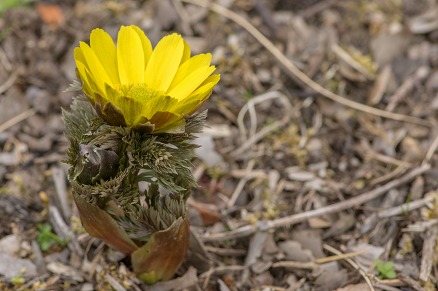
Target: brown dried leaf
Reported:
[(163, 254), (99, 224), (50, 14)]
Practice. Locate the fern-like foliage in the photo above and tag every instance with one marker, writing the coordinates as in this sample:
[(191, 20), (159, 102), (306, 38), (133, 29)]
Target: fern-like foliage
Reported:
[(162, 161)]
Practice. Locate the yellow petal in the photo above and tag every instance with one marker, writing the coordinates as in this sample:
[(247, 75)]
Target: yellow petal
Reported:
[(93, 64), (131, 109), (146, 43), (192, 102), (103, 46), (85, 83), (93, 85), (81, 70), (191, 82), (81, 65), (194, 63), (207, 85), (187, 108), (79, 56), (130, 56), (186, 53), (164, 62), (168, 122), (154, 105), (112, 95)]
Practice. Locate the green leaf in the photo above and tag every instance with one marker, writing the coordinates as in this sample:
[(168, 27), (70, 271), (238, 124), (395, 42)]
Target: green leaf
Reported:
[(385, 269), (8, 4), (46, 238), (17, 280)]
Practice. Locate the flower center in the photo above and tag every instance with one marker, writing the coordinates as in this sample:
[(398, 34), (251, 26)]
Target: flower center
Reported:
[(140, 92)]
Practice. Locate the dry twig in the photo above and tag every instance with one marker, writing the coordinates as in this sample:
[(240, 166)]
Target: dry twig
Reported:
[(254, 137), (352, 263), (295, 265), (9, 82), (420, 74), (314, 264), (240, 185), (296, 218), (404, 208), (219, 271), (17, 119), (59, 179), (421, 226), (225, 251), (346, 57), (431, 151), (414, 284), (182, 13), (427, 257)]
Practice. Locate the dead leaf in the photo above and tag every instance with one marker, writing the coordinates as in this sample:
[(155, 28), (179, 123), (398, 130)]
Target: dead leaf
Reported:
[(189, 279), (331, 276), (294, 251), (311, 239), (355, 287), (318, 222), (207, 212), (51, 14), (296, 174), (380, 86)]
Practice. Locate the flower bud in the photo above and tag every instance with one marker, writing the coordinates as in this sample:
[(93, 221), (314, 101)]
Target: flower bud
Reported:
[(95, 164)]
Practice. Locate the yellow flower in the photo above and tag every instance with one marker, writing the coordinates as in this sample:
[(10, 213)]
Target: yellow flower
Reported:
[(146, 89)]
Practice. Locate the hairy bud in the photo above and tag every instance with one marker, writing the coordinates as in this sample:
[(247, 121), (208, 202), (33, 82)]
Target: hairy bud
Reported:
[(94, 164)]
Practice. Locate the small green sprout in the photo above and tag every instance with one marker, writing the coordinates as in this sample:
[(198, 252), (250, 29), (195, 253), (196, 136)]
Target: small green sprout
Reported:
[(8, 4), (17, 280), (385, 269), (46, 238), (248, 95)]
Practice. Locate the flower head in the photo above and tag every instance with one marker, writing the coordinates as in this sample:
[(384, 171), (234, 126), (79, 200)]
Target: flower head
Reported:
[(146, 89)]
